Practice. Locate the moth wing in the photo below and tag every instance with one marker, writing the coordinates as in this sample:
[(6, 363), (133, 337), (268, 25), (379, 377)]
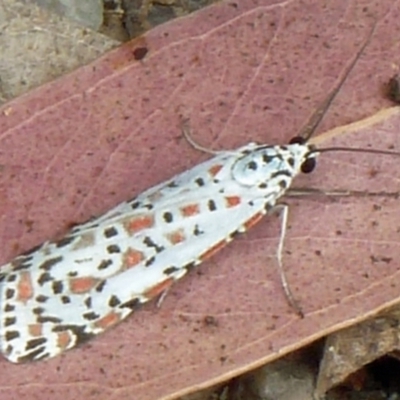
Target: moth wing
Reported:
[(64, 292)]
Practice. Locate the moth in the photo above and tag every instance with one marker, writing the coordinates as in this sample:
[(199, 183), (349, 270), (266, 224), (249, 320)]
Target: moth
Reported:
[(64, 292)]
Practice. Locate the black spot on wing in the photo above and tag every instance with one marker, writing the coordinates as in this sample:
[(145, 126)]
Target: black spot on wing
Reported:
[(113, 248), (100, 286), (131, 304), (11, 335), (37, 354), (149, 261), (252, 165), (38, 310), (41, 298), (58, 287), (88, 302), (200, 182), (9, 308), (197, 231), (283, 184), (11, 278), (190, 266), (9, 321), (135, 205), (114, 301), (31, 251), (150, 243), (21, 263), (53, 320), (64, 241), (168, 217), (234, 234), (110, 232), (267, 158), (104, 264), (280, 173), (170, 270), (48, 264), (43, 278), (211, 205), (90, 316), (33, 343)]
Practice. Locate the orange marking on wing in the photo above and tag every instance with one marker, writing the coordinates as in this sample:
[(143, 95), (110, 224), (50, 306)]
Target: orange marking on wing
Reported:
[(158, 289), (214, 249), (214, 169), (24, 286), (132, 257), (64, 339), (176, 237), (190, 210), (82, 285), (35, 330), (139, 223), (232, 201), (253, 220), (108, 320)]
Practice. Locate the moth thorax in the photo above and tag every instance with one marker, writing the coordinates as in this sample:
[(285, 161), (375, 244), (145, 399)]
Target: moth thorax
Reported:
[(264, 163)]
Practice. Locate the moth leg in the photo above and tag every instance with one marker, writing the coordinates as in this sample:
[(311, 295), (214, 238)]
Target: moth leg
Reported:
[(166, 287), (162, 296), (301, 192), (188, 136), (284, 213)]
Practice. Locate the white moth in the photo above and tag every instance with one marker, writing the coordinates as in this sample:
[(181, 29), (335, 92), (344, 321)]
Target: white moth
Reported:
[(64, 292)]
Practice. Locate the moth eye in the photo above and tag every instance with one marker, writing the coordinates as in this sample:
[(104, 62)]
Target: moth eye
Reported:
[(308, 165), (297, 140)]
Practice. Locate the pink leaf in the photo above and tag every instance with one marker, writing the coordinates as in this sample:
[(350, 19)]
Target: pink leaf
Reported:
[(247, 71)]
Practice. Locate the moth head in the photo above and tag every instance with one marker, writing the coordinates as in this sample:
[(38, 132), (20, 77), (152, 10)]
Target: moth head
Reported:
[(309, 159), (265, 164)]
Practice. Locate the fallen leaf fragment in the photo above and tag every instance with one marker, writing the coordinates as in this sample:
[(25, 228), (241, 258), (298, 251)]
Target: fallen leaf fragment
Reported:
[(349, 350)]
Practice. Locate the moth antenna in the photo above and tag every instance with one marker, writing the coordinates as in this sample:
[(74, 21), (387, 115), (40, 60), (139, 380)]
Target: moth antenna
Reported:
[(187, 134), (353, 150), (308, 130), (310, 161)]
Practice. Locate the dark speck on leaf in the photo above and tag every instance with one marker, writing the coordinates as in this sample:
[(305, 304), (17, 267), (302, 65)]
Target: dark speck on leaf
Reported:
[(140, 52)]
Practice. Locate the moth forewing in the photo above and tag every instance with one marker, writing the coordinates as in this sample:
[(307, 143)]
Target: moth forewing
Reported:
[(64, 292)]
